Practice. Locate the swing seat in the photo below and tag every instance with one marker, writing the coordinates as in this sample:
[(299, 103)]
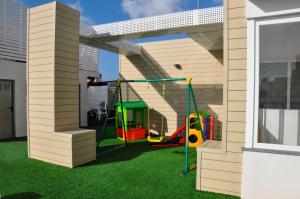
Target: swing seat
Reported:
[(152, 140)]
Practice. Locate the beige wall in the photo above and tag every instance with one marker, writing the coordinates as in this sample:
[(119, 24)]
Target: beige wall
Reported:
[(221, 171), (158, 62), (53, 96)]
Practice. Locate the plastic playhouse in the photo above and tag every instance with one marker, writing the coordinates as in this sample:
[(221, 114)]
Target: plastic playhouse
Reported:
[(134, 117)]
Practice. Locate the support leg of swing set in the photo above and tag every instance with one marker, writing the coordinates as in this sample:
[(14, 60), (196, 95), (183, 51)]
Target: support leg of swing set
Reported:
[(197, 112), (188, 110), (108, 113), (190, 93), (118, 89), (124, 128), (103, 127)]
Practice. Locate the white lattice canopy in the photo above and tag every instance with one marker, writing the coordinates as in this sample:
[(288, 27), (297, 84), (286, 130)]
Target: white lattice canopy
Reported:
[(203, 25)]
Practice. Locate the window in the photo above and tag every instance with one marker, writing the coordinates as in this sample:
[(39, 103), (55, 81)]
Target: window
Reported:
[(295, 86), (273, 85), (277, 104), (279, 85)]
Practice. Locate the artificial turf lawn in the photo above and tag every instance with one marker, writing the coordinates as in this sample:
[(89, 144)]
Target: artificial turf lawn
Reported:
[(137, 171)]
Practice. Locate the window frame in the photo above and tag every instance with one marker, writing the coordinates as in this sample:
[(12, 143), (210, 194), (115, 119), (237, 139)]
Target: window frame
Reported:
[(252, 106)]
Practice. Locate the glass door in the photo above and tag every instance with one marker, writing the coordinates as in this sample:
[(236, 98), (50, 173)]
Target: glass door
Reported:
[(6, 109)]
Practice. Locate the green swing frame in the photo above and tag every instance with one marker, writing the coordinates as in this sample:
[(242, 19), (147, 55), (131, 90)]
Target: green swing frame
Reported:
[(190, 97)]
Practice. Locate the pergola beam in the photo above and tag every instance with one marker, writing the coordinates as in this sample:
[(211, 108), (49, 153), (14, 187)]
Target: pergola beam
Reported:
[(205, 26), (122, 47)]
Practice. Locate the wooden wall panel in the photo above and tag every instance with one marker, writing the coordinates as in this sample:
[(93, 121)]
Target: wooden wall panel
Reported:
[(222, 172), (53, 88), (67, 27), (37, 33)]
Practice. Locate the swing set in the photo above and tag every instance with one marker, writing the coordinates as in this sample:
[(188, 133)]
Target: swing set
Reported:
[(126, 133)]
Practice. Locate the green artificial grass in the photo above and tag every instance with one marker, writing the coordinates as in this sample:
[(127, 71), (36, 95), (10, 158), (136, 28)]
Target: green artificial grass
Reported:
[(137, 171)]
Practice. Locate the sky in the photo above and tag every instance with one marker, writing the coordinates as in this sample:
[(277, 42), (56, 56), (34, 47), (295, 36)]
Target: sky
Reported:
[(106, 11)]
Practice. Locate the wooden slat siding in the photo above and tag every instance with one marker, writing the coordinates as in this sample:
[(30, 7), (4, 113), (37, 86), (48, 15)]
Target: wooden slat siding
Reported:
[(41, 153), (49, 135), (236, 106), (219, 191), (61, 75), (66, 95), (222, 172), (50, 101), (87, 149), (81, 143), (221, 175), (40, 108), (53, 143), (234, 116), (40, 42), (35, 114), (236, 126), (221, 166), (40, 54), (39, 48), (37, 128), (83, 137), (234, 147), (236, 95), (63, 115), (83, 148), (236, 13), (197, 62), (65, 105), (50, 148), (235, 137), (53, 102), (40, 121), (238, 85), (42, 157), (220, 186), (228, 157), (66, 121)]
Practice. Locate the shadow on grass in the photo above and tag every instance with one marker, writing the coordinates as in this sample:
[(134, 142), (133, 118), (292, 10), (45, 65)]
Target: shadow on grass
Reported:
[(118, 154), (24, 195), (14, 139), (180, 152)]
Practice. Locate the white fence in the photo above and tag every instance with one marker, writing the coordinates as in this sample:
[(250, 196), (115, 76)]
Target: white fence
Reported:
[(88, 58), (12, 30)]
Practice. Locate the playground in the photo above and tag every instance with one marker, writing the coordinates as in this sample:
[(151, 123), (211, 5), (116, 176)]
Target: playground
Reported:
[(157, 114), (136, 171), (204, 102), (132, 121)]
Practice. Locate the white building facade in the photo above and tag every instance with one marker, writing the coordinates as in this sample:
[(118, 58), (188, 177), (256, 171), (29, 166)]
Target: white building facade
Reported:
[(12, 69), (90, 97), (271, 157)]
